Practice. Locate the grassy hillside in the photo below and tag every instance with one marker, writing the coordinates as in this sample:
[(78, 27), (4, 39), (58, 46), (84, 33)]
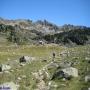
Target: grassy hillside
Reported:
[(44, 62), (11, 54)]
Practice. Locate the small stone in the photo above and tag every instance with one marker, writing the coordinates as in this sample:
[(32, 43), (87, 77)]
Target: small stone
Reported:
[(7, 72), (8, 59), (11, 70), (22, 64), (87, 78), (64, 79), (23, 76), (19, 78)]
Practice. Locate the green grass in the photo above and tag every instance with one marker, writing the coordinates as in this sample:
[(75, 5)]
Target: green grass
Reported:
[(40, 53)]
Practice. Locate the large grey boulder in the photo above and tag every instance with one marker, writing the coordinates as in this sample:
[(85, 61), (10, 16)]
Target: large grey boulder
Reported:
[(71, 71), (65, 73), (26, 59)]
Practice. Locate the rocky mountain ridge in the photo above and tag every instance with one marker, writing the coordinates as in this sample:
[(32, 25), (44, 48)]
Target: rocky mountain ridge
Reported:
[(25, 30)]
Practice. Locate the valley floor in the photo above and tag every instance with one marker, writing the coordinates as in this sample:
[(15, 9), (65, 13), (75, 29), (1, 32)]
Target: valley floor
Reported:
[(23, 75)]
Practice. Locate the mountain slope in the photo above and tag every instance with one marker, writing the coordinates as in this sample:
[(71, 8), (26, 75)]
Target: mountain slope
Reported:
[(23, 31)]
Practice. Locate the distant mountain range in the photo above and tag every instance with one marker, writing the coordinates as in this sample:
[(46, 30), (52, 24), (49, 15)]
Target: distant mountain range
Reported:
[(23, 31)]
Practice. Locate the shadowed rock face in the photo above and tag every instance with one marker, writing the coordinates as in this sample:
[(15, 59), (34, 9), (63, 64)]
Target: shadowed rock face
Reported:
[(59, 74), (26, 59), (0, 68), (22, 59)]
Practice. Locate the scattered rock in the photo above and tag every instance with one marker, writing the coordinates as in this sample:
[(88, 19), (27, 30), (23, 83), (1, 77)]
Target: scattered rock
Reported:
[(87, 59), (23, 76), (63, 85), (11, 70), (41, 86), (41, 75), (19, 78), (52, 65), (7, 72), (13, 53), (8, 59), (52, 84), (4, 67), (64, 79), (87, 78)]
